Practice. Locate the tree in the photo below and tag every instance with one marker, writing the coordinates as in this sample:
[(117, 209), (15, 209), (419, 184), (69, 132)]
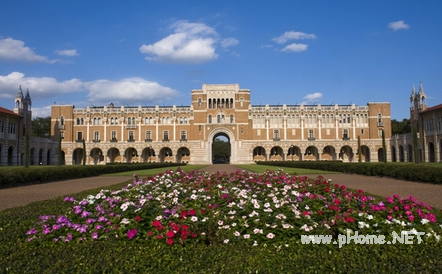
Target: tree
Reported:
[(384, 148), (41, 127), (27, 148), (415, 145), (400, 127), (59, 160), (359, 149), (84, 152)]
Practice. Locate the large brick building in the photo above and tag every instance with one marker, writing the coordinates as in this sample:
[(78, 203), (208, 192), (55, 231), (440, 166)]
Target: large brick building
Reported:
[(13, 126), (428, 121), (255, 132)]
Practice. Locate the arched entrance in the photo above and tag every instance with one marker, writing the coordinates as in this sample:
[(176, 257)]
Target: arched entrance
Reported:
[(220, 149)]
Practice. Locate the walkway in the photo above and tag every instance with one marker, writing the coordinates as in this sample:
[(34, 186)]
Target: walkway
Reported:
[(23, 195)]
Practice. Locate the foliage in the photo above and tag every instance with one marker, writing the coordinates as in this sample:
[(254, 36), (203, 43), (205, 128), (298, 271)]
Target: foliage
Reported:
[(59, 152), (27, 148), (415, 145), (138, 255), (41, 127), (84, 151), (42, 174), (402, 171), (400, 127), (384, 147), (359, 150)]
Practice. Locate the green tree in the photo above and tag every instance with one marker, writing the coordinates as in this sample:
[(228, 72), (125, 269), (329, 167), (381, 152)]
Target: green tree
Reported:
[(84, 152), (41, 127), (384, 148), (27, 148), (221, 150), (400, 127), (415, 145), (59, 160), (359, 149)]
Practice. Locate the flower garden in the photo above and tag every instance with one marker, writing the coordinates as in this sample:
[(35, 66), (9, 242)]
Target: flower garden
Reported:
[(196, 208)]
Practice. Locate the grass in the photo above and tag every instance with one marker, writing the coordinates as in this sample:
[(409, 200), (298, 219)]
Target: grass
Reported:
[(290, 170), (155, 171)]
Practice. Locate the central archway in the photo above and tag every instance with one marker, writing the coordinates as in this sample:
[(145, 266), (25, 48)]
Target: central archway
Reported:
[(223, 138)]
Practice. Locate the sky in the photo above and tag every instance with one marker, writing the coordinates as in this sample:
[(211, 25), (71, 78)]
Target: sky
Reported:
[(147, 53)]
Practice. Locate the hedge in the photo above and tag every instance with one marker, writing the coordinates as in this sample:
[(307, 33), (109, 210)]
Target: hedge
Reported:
[(409, 172), (42, 174)]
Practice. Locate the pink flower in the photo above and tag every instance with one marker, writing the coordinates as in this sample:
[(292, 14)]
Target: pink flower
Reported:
[(131, 233)]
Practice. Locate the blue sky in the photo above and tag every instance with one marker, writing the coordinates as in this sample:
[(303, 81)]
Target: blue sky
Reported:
[(155, 52)]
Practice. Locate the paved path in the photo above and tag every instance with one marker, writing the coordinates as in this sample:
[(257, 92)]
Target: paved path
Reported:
[(23, 195)]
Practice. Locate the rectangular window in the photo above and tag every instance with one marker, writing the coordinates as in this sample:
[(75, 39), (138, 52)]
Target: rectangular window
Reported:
[(328, 131), (2, 129), (362, 131), (258, 132), (380, 132), (166, 136), (148, 136), (131, 136), (79, 136), (311, 135), (345, 134), (96, 136), (183, 136), (276, 135), (62, 135)]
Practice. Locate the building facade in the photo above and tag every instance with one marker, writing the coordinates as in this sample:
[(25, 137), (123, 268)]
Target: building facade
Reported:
[(186, 133), (13, 127), (428, 122)]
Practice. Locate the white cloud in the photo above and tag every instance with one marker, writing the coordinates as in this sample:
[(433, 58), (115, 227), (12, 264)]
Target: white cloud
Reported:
[(293, 35), (15, 50), (67, 52), (127, 91), (398, 25), (225, 43), (41, 111), (312, 98), (295, 47), (190, 43)]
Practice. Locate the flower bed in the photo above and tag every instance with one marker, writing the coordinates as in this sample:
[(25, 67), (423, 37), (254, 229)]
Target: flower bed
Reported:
[(219, 208)]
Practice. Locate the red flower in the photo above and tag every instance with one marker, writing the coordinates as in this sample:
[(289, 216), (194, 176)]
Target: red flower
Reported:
[(150, 233), (203, 211), (192, 212), (170, 234), (305, 213), (184, 213), (326, 189), (184, 227), (320, 212), (138, 219), (132, 233), (160, 237), (336, 201), (349, 220), (156, 223), (169, 241)]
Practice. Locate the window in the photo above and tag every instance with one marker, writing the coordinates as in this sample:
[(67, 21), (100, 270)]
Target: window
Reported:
[(380, 132), (131, 136), (148, 121), (113, 136), (210, 119), (199, 102), (61, 121), (2, 129), (183, 136), (166, 136), (96, 136), (231, 119), (311, 135), (276, 135), (79, 136), (62, 135), (362, 131), (345, 134), (148, 136)]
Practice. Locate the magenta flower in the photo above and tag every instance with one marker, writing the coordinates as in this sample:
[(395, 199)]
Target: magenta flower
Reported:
[(131, 233)]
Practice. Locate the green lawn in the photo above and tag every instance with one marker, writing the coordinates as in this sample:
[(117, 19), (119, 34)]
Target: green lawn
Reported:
[(299, 171)]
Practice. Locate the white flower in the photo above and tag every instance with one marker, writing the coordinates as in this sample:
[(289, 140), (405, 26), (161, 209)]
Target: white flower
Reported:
[(124, 221), (270, 235), (195, 219), (246, 236), (237, 234), (424, 221), (220, 222), (226, 241)]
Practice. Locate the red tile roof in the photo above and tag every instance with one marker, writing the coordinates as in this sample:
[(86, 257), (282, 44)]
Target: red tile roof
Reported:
[(433, 108), (9, 112)]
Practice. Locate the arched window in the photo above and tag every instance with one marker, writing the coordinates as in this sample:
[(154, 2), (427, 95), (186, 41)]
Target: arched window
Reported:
[(199, 102), (231, 119), (185, 120), (210, 119), (62, 121)]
